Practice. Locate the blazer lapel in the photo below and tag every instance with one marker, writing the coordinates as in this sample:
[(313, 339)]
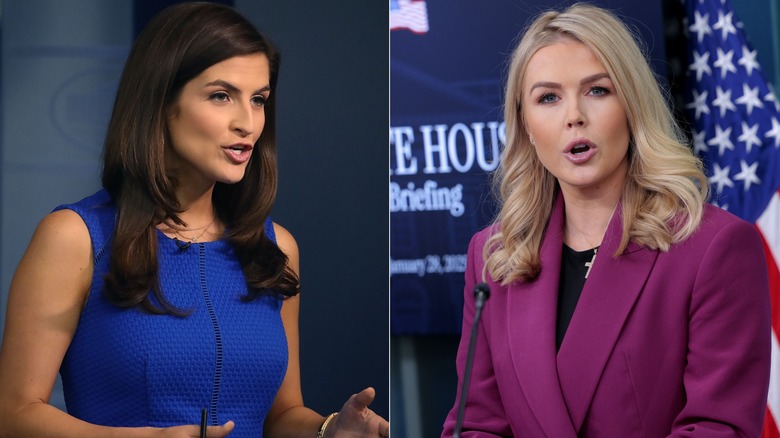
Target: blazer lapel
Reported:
[(531, 313), (610, 292)]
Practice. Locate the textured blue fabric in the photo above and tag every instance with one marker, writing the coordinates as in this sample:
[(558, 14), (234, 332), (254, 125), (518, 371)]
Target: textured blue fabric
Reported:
[(128, 368)]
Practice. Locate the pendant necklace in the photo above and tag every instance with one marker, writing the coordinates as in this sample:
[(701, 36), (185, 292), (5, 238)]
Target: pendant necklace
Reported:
[(589, 264), (185, 242)]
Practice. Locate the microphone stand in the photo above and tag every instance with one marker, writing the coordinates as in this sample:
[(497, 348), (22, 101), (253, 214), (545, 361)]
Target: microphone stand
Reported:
[(481, 294)]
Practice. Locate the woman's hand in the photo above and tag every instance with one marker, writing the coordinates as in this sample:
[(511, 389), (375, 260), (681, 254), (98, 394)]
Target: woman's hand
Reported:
[(193, 431), (356, 420)]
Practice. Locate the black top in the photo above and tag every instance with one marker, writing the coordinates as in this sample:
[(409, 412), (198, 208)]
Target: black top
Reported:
[(572, 281)]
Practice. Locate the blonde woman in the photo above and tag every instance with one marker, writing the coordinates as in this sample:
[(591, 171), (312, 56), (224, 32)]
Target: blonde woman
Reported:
[(622, 304)]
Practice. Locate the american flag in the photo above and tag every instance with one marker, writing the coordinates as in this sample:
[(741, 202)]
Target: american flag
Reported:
[(736, 130), (409, 14)]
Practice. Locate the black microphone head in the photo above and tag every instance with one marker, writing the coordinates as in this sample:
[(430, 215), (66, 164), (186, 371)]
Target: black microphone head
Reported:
[(183, 246), (483, 289)]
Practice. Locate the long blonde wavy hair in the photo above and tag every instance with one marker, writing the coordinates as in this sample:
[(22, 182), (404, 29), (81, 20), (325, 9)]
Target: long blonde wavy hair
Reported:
[(665, 190)]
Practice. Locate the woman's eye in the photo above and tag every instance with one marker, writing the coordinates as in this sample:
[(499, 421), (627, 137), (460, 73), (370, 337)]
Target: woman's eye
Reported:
[(220, 96), (547, 98), (599, 91), (259, 100)]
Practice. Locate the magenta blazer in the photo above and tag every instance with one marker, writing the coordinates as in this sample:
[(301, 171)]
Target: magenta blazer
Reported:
[(661, 344)]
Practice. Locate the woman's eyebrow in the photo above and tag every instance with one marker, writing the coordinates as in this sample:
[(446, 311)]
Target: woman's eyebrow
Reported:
[(554, 85), (232, 88)]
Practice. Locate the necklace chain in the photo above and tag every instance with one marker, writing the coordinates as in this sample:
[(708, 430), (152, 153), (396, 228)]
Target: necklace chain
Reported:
[(589, 264), (200, 227), (595, 248), (602, 235), (193, 239), (585, 238)]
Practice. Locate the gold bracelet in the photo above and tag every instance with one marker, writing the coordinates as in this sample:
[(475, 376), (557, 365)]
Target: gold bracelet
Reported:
[(321, 432)]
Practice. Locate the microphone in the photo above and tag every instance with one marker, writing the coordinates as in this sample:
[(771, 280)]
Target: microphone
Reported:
[(183, 246), (481, 294)]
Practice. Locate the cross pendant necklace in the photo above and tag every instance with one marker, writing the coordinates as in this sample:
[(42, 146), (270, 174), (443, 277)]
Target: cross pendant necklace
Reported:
[(589, 264)]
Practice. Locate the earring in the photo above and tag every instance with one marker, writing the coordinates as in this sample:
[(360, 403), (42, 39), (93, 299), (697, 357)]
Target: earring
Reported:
[(532, 141)]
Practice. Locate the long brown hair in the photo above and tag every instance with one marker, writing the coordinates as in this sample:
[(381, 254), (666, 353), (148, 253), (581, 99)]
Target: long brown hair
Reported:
[(176, 46)]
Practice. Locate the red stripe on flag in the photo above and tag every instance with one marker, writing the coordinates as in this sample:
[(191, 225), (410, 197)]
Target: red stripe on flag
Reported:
[(774, 285), (770, 428), (770, 425)]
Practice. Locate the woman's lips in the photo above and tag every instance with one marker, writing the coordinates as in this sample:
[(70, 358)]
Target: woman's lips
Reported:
[(580, 151), (238, 153)]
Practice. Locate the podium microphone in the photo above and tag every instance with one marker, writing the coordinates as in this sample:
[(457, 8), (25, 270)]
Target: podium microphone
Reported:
[(481, 294)]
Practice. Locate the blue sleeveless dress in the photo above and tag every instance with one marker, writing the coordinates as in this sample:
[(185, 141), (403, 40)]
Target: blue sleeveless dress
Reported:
[(128, 368)]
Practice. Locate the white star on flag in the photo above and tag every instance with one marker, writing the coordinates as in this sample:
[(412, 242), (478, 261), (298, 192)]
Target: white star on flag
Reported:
[(721, 177), (749, 98), (722, 139), (774, 132), (700, 64), (749, 136), (724, 62), (699, 104), (723, 101), (748, 60), (725, 25), (748, 174), (700, 25)]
